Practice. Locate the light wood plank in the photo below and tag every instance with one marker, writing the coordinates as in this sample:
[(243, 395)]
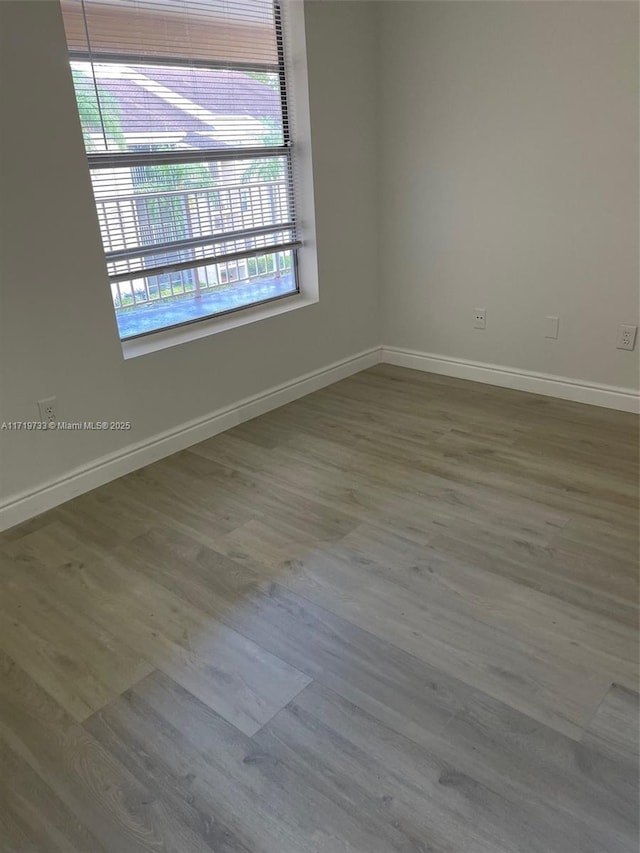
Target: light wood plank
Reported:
[(395, 783), (614, 728), (210, 766), (106, 799), (35, 819), (242, 681), (482, 736), (81, 664), (412, 612), (386, 617)]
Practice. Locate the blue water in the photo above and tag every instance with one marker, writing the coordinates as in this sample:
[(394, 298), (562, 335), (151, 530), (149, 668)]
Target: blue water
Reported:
[(152, 316)]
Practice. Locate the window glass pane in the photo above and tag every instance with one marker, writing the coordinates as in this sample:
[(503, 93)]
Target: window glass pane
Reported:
[(185, 123), (191, 210), (160, 301), (164, 108)]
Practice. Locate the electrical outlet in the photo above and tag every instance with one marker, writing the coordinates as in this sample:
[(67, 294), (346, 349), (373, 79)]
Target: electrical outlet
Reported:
[(480, 318), (626, 337), (47, 409), (551, 327)]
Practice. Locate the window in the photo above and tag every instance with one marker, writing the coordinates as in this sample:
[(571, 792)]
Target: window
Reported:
[(183, 106)]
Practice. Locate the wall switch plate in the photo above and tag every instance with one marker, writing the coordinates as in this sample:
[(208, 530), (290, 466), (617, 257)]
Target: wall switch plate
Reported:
[(626, 337), (480, 318), (551, 327)]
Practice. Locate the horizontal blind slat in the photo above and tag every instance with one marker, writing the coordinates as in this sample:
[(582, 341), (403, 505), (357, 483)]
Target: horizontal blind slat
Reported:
[(215, 31), (195, 243), (205, 155), (213, 259)]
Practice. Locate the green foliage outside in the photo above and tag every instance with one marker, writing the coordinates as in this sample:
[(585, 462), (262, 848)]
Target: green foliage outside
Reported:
[(171, 177), (266, 265), (93, 116), (266, 168), (267, 78)]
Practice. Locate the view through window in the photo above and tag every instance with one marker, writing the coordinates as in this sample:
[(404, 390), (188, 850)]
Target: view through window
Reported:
[(183, 107)]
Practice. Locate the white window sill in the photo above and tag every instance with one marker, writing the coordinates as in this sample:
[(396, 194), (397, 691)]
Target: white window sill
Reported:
[(163, 339)]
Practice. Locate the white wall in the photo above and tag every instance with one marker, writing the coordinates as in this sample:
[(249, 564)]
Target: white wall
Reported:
[(58, 334), (466, 154), (509, 181)]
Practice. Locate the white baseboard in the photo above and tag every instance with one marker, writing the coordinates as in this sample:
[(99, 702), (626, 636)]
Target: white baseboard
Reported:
[(29, 504), (23, 506), (609, 396)]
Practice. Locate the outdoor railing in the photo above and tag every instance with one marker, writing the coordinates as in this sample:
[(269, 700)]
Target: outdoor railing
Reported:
[(186, 223)]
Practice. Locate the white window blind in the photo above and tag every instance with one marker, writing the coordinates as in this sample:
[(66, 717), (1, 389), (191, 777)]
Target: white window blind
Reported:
[(183, 106)]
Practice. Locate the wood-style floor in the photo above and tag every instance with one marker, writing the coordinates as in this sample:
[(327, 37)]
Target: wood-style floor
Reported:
[(399, 614)]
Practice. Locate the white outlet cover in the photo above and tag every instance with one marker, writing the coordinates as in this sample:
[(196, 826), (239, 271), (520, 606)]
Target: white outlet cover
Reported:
[(480, 318), (43, 406), (626, 336), (551, 324)]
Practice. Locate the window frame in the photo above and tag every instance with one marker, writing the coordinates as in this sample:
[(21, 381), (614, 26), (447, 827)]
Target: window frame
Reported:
[(293, 89)]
